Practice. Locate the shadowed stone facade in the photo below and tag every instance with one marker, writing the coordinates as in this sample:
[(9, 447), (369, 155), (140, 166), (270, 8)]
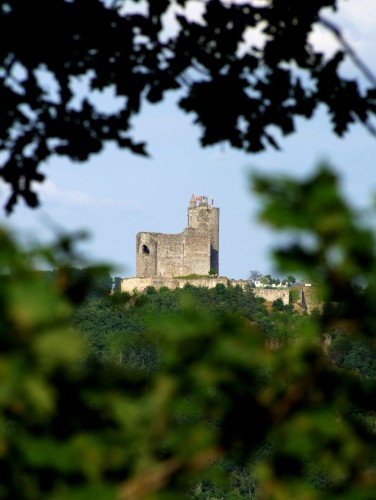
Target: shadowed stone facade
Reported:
[(194, 251)]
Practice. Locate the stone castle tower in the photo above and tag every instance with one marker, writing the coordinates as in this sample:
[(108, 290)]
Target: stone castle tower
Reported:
[(194, 251)]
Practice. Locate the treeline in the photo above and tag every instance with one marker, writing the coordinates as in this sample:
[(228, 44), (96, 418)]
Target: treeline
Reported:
[(114, 322), (111, 319)]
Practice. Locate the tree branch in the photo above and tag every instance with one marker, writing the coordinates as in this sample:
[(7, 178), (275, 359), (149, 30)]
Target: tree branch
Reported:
[(349, 50)]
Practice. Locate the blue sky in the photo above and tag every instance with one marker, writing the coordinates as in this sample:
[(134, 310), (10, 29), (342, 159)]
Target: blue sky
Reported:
[(115, 194)]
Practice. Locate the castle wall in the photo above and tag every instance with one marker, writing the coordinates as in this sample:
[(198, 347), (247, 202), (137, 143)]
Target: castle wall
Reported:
[(170, 260), (140, 284), (196, 251), (270, 295), (311, 300), (147, 254), (214, 239), (130, 285)]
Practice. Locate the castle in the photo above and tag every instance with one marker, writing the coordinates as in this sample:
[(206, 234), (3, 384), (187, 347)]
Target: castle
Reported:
[(194, 251), (172, 260)]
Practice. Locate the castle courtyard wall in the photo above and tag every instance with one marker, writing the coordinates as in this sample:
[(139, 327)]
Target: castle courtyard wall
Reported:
[(131, 285), (270, 294)]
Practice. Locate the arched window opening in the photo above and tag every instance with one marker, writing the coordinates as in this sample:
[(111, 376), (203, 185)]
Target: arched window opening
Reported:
[(145, 250)]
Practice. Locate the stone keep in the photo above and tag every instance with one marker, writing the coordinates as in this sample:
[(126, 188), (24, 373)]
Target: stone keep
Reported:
[(194, 251)]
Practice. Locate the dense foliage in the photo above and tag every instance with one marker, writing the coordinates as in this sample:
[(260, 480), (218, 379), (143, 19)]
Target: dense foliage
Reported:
[(194, 393), (116, 327), (246, 70)]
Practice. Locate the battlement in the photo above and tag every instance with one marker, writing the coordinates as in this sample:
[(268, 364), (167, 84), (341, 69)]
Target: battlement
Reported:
[(193, 251)]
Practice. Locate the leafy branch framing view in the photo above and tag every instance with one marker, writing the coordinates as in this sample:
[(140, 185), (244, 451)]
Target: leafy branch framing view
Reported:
[(193, 393), (237, 91)]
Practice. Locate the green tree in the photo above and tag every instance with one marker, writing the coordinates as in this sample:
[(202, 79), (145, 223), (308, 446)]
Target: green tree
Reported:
[(116, 285), (265, 280), (61, 427), (354, 354), (129, 55), (255, 275), (278, 305)]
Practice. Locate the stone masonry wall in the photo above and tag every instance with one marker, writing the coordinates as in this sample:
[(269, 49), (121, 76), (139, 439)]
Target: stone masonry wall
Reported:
[(140, 284), (310, 299), (170, 255), (146, 251), (270, 295)]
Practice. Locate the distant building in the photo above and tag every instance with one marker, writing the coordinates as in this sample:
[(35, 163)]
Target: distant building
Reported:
[(260, 284), (305, 283), (194, 251)]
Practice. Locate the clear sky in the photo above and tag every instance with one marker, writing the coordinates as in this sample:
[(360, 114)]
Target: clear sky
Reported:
[(115, 194)]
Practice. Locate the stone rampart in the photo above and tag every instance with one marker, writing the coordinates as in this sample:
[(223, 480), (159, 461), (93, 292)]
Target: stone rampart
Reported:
[(271, 294), (131, 285), (311, 300), (140, 284)]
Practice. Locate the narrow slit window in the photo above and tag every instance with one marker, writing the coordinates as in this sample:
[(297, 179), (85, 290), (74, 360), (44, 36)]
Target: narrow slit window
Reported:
[(145, 250)]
